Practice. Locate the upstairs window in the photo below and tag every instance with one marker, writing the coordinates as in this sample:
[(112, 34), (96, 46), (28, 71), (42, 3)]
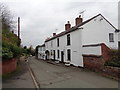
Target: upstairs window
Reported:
[(44, 49), (111, 37), (58, 42), (68, 39), (40, 48)]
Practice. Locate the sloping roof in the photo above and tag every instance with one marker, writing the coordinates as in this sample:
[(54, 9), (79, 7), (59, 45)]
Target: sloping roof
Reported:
[(43, 45), (76, 27)]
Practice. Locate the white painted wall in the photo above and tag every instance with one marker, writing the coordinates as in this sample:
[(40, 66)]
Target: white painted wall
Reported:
[(93, 32), (94, 50), (76, 48), (119, 15), (97, 31), (41, 53), (119, 37)]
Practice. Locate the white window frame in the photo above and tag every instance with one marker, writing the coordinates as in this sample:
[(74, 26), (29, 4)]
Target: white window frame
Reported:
[(111, 37)]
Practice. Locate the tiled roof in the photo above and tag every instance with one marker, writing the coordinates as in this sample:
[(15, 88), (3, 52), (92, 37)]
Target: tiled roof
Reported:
[(76, 28), (43, 45)]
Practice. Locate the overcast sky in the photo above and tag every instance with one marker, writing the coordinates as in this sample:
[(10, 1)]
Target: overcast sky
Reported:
[(41, 18)]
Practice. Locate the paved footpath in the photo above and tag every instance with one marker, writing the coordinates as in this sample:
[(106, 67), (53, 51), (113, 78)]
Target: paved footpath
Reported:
[(20, 79), (60, 76)]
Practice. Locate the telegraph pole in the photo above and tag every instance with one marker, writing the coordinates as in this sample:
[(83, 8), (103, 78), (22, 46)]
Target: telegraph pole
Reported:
[(18, 31)]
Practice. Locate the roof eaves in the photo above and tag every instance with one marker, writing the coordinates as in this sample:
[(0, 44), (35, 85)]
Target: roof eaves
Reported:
[(109, 22), (63, 33), (76, 27)]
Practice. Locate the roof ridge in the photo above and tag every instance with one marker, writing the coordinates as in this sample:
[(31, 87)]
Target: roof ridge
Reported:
[(75, 27)]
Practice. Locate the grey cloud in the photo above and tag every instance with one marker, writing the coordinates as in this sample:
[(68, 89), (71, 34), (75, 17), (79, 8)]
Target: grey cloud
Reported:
[(40, 19)]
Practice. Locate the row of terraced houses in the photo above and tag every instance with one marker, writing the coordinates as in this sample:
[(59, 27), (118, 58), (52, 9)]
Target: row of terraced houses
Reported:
[(90, 39)]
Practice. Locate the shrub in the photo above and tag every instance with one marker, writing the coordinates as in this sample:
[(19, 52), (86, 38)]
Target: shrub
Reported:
[(115, 58), (16, 50), (10, 51), (115, 54), (6, 53), (113, 63)]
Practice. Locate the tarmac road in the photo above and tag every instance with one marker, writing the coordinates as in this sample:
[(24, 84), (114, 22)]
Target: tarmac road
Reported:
[(60, 76)]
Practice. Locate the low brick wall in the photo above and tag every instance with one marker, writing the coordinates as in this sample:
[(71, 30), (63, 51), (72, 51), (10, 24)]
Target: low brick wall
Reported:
[(111, 71), (93, 63), (96, 62), (8, 66), (105, 52)]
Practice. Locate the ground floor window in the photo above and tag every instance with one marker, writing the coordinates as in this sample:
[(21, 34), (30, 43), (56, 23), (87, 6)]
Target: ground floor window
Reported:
[(54, 54), (68, 54), (51, 52)]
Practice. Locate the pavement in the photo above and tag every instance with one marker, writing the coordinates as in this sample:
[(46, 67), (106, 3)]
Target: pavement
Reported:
[(20, 79), (50, 75)]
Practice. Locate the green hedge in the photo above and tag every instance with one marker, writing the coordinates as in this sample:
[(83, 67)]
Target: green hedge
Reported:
[(113, 63), (115, 58), (6, 53), (10, 51)]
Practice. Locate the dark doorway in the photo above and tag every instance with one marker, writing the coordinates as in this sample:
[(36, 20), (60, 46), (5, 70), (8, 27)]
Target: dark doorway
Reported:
[(62, 56), (54, 54), (47, 54), (119, 45)]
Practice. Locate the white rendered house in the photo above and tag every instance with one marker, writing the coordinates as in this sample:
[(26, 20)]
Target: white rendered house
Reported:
[(71, 44), (41, 52), (119, 23)]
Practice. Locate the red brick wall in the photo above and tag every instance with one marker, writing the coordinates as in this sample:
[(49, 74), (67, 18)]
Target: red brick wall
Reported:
[(97, 62), (94, 63), (105, 52), (8, 66), (112, 71)]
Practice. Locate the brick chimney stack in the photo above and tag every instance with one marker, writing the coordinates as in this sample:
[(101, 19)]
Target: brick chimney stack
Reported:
[(67, 26), (54, 34), (78, 20)]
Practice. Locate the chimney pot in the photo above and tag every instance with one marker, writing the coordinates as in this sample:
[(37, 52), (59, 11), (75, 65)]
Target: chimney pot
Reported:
[(79, 16), (68, 22), (78, 20), (67, 26), (54, 34)]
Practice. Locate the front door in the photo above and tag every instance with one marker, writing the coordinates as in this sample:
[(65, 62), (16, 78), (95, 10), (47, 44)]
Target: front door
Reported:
[(54, 54), (119, 45), (62, 56)]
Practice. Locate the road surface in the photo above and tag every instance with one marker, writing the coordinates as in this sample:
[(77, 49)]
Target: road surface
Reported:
[(60, 76)]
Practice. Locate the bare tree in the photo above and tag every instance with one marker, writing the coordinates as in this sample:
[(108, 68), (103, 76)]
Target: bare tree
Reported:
[(6, 18)]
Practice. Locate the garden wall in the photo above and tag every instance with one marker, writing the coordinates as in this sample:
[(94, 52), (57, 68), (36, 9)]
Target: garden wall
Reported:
[(96, 61), (8, 66), (111, 71)]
